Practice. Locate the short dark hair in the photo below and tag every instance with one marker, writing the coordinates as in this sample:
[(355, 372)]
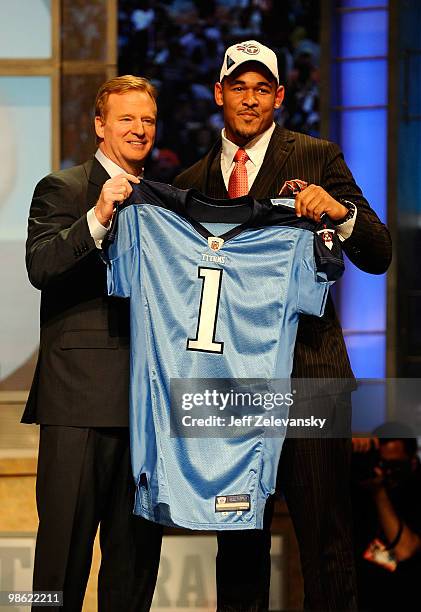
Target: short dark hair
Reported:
[(410, 444), (394, 431)]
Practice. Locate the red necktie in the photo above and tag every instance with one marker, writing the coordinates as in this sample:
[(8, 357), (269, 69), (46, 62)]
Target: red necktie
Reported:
[(238, 183)]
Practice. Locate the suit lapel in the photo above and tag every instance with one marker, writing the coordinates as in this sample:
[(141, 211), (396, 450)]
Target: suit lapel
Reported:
[(215, 186), (210, 180), (97, 175), (270, 179)]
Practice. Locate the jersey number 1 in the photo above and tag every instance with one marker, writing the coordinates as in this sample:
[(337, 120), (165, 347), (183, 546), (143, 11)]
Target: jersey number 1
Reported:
[(208, 313)]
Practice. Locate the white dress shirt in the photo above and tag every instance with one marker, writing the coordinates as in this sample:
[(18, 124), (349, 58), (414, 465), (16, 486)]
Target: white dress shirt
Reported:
[(256, 150)]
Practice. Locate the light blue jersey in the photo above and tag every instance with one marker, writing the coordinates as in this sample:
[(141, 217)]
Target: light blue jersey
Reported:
[(211, 306)]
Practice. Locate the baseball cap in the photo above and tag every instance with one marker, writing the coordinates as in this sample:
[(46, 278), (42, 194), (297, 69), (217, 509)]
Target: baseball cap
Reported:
[(249, 51)]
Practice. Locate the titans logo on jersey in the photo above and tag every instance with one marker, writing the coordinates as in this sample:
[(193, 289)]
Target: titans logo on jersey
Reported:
[(216, 289)]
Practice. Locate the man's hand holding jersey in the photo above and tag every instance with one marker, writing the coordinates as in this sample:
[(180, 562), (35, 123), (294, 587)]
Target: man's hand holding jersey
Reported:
[(114, 191), (313, 201)]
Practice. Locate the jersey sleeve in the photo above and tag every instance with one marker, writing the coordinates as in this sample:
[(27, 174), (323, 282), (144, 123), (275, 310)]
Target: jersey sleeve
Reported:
[(322, 264), (122, 253)]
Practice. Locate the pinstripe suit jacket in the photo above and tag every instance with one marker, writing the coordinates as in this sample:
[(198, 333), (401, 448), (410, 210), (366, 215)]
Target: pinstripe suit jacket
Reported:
[(320, 350)]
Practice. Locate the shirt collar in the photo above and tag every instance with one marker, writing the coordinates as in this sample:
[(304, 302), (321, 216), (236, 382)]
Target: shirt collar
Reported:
[(256, 148), (111, 167)]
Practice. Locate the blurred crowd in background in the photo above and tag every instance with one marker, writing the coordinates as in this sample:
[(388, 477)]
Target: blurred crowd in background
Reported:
[(179, 45)]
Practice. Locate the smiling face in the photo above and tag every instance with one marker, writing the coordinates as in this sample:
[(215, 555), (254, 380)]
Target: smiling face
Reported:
[(248, 99), (127, 130)]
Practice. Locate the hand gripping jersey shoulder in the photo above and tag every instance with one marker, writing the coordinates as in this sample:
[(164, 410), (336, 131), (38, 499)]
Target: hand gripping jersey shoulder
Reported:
[(216, 289)]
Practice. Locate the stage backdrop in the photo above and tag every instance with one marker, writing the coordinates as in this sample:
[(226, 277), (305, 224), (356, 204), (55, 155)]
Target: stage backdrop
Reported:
[(25, 153)]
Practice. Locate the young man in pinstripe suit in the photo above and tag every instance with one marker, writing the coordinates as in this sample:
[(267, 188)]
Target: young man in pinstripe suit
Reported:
[(258, 157)]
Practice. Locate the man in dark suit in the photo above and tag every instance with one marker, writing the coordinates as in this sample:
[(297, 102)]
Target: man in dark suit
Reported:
[(79, 394), (258, 157)]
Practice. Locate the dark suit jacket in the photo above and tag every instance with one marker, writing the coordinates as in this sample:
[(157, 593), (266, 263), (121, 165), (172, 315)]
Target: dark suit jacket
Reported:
[(82, 374), (320, 348)]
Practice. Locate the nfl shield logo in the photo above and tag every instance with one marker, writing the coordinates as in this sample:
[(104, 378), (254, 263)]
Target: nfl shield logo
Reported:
[(215, 243), (327, 237)]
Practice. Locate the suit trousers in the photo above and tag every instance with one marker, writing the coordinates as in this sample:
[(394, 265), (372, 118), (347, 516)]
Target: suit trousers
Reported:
[(84, 480), (313, 475), (318, 499), (243, 567)]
